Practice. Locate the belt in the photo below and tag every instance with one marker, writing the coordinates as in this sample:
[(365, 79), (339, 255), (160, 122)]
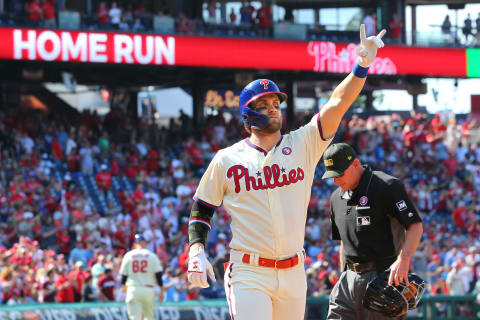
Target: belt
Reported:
[(362, 267), (272, 263)]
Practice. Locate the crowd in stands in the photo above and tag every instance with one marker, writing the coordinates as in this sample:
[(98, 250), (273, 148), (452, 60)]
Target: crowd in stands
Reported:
[(74, 191), (252, 19), (468, 35), (132, 16)]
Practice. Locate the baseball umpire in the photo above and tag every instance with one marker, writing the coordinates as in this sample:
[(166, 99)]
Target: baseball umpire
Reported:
[(140, 270), (264, 183), (377, 224)]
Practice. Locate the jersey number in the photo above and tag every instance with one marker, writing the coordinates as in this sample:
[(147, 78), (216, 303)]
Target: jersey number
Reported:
[(139, 266)]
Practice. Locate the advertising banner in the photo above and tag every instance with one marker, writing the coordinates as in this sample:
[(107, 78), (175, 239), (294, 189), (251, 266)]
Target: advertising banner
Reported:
[(187, 310), (209, 52)]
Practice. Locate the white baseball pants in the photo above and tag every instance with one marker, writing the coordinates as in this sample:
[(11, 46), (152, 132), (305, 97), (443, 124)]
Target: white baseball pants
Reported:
[(255, 292)]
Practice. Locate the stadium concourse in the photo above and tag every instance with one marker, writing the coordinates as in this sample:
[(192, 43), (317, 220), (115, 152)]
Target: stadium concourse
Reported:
[(75, 190)]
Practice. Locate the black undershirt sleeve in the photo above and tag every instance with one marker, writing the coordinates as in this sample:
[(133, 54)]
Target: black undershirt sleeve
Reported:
[(124, 279), (158, 275), (200, 222)]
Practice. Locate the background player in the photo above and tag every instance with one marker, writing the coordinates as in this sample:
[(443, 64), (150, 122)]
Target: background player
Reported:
[(264, 182), (140, 271)]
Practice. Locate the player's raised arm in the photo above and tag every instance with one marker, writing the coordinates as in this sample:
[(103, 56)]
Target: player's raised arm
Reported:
[(349, 89)]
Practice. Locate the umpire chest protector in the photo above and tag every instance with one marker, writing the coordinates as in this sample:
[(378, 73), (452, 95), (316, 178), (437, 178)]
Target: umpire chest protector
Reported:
[(371, 220)]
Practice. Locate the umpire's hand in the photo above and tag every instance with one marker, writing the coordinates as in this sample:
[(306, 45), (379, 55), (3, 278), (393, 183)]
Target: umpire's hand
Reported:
[(367, 49), (399, 272), (198, 267)]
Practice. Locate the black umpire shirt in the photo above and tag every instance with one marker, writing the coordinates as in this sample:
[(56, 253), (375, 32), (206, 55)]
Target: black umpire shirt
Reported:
[(371, 221)]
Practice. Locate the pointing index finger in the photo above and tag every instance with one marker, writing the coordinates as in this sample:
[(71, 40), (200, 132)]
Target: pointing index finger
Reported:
[(381, 34), (363, 35)]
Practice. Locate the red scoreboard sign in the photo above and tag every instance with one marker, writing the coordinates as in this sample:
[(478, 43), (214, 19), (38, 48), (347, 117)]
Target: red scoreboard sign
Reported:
[(151, 49)]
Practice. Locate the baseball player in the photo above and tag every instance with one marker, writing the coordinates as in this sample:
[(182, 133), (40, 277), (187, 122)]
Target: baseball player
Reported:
[(264, 183), (140, 270)]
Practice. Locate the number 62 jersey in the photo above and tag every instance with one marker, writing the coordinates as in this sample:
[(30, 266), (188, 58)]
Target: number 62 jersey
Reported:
[(140, 266)]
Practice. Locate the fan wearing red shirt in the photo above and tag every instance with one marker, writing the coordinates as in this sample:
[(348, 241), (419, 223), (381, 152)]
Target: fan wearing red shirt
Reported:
[(106, 285), (63, 241), (264, 17), (77, 275), (34, 11), (152, 161), (102, 14), (459, 215), (64, 286), (48, 14), (104, 180)]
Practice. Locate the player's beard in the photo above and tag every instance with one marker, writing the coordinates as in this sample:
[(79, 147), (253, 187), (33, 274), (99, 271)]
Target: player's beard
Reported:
[(273, 126)]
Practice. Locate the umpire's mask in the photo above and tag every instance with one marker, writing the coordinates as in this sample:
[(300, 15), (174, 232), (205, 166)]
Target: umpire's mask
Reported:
[(393, 301)]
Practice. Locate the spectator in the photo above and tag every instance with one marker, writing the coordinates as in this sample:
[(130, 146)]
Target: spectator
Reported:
[(446, 26), (106, 285), (233, 17), (60, 5), (477, 23), (88, 293), (102, 15), (77, 276), (455, 280), (16, 13), (435, 269), (264, 19), (64, 285), (184, 25), (35, 14), (212, 11), (48, 12), (246, 13), (138, 26), (467, 28), (48, 290), (79, 254), (114, 15), (87, 154), (104, 180), (175, 285), (370, 22), (396, 25)]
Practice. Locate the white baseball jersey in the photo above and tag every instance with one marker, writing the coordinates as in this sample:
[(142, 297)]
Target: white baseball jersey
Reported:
[(140, 266), (266, 193)]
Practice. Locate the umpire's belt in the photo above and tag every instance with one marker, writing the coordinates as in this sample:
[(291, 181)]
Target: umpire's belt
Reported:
[(256, 260), (362, 267)]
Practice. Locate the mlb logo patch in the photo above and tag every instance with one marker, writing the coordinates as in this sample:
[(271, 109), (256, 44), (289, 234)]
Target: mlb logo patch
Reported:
[(363, 221), (401, 205)]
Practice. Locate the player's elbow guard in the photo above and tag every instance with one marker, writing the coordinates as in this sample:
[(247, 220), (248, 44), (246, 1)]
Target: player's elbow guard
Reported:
[(200, 223)]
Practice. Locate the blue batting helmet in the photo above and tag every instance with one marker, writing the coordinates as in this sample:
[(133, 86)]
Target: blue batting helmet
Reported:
[(250, 93), (138, 237)]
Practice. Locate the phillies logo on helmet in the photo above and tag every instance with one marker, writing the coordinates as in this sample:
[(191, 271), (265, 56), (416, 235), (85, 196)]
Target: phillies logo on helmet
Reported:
[(264, 83)]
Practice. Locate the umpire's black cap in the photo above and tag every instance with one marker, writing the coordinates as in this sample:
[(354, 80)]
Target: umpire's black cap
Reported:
[(337, 158)]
